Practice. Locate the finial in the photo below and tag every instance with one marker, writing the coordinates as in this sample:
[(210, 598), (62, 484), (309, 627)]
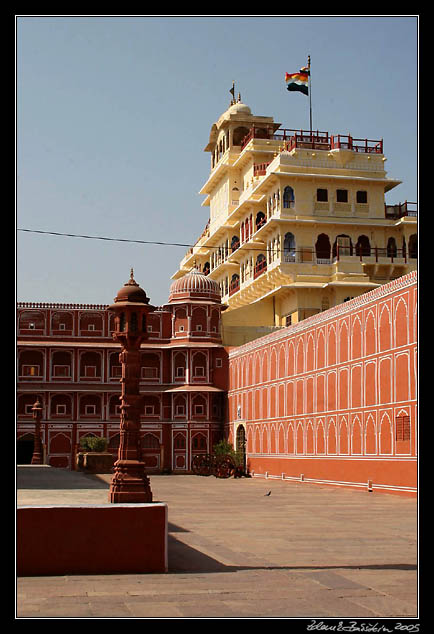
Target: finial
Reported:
[(131, 281), (239, 97), (232, 91)]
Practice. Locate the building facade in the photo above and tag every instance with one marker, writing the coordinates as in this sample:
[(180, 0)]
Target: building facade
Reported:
[(332, 399), (68, 360), (297, 222)]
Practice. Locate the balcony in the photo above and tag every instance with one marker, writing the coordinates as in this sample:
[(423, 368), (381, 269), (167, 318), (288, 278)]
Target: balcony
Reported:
[(260, 267), (308, 255), (401, 210), (313, 140)]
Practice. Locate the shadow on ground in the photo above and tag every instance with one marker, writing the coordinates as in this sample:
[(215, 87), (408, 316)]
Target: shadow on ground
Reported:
[(56, 479), (184, 558)]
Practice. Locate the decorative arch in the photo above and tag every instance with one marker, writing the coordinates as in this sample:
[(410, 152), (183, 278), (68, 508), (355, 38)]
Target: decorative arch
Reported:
[(288, 197), (386, 434)]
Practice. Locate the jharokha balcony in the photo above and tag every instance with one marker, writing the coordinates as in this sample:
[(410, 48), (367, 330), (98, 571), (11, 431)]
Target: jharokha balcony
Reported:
[(314, 140)]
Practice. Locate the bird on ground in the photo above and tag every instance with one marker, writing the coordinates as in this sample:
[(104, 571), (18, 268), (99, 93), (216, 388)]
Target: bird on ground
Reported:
[(269, 493)]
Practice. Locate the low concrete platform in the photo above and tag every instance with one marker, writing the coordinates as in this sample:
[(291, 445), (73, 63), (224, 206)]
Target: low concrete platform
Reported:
[(304, 551)]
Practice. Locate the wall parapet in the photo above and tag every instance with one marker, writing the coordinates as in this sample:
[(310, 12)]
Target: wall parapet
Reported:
[(332, 313)]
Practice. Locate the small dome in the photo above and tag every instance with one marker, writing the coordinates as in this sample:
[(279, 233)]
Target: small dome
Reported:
[(131, 292), (195, 285), (239, 108)]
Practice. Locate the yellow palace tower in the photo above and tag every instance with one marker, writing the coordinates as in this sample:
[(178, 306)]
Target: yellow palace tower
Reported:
[(297, 221)]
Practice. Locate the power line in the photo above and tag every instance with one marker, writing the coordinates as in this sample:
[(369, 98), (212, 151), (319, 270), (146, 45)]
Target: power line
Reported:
[(168, 244), (76, 235)]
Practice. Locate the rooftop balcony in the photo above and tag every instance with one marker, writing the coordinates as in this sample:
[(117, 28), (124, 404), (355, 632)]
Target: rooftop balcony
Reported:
[(315, 140), (401, 210)]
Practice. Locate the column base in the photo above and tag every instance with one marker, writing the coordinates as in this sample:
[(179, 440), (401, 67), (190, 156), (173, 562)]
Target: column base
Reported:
[(129, 484)]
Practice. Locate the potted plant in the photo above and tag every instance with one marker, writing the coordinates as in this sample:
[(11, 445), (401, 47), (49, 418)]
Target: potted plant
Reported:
[(93, 456)]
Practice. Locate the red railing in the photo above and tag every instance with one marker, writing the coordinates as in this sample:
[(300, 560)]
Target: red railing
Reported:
[(234, 287), (400, 209), (260, 268), (260, 169), (314, 140), (347, 142)]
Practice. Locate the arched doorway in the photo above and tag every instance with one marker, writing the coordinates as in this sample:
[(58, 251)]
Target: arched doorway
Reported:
[(363, 246), (391, 248), (323, 247), (241, 445), (412, 246), (289, 248), (25, 446)]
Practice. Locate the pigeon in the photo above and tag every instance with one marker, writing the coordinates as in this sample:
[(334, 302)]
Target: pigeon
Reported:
[(269, 493)]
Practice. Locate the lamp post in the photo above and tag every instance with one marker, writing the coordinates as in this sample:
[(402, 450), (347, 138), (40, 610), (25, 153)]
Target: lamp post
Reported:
[(129, 482), (37, 448)]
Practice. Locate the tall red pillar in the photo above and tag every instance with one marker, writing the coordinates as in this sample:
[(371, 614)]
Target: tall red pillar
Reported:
[(130, 482)]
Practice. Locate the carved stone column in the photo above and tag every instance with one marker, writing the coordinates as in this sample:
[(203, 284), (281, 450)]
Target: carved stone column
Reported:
[(37, 448), (130, 482)]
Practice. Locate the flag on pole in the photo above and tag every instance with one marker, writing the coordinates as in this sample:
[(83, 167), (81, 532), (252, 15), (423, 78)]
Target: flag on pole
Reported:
[(298, 81)]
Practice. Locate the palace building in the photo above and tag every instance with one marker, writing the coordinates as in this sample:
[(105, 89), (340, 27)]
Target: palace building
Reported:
[(290, 327), (297, 222), (68, 360)]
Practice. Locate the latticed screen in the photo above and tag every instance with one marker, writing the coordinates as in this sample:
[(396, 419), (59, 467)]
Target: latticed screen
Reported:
[(402, 427)]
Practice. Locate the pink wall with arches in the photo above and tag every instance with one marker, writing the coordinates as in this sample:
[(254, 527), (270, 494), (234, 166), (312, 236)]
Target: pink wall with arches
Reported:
[(332, 399)]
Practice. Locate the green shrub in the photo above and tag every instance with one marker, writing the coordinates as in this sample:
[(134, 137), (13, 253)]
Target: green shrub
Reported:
[(225, 448), (93, 443)]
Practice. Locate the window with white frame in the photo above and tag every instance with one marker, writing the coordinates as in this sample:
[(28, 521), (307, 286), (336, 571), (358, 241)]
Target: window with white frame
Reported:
[(149, 373), (61, 370), (60, 409), (90, 410), (30, 370)]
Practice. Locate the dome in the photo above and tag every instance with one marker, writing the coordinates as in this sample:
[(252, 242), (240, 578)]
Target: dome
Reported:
[(195, 286), (239, 108), (131, 292)]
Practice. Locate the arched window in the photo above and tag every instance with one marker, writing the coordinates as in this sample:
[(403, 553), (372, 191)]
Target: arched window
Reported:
[(149, 441), (391, 248), (239, 134), (199, 442), (260, 220), (363, 246), (322, 247), (288, 197), (289, 247), (412, 246), (235, 284), (261, 265), (235, 243), (342, 246)]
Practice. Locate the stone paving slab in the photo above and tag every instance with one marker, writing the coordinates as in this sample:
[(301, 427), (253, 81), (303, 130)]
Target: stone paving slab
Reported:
[(304, 551)]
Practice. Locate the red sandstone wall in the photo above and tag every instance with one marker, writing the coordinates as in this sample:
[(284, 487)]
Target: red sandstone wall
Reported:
[(333, 398)]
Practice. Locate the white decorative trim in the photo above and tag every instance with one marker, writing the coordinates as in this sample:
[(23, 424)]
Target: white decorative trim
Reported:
[(331, 314)]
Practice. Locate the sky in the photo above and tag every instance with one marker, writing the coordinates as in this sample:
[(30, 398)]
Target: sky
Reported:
[(113, 114)]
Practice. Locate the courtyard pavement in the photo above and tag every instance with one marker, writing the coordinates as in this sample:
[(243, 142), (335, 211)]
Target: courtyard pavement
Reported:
[(304, 551)]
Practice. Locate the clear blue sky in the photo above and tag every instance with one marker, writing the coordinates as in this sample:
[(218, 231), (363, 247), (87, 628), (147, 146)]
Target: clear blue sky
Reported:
[(113, 114)]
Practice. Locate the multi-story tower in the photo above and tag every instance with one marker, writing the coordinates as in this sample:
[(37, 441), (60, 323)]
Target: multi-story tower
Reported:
[(298, 222)]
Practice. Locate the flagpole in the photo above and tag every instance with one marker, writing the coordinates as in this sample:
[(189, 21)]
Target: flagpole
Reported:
[(310, 96)]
